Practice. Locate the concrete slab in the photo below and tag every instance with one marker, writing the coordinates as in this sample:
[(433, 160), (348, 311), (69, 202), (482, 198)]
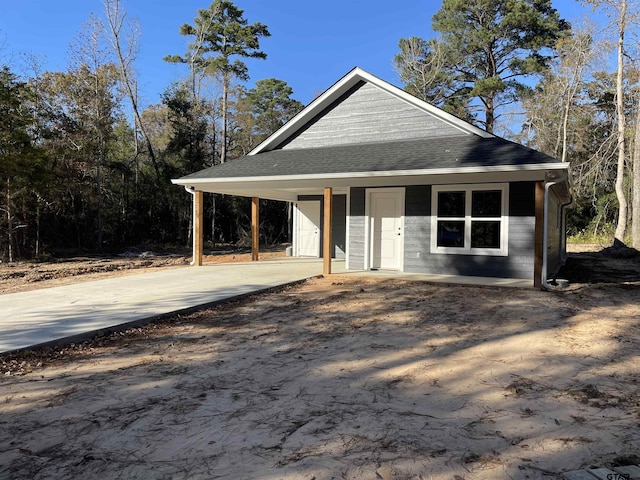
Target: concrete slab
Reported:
[(42, 316), (49, 315)]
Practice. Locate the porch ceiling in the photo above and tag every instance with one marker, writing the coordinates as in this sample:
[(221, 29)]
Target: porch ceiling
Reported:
[(288, 188)]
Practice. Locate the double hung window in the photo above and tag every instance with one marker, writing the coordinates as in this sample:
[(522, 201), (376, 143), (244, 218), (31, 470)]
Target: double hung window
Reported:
[(470, 219)]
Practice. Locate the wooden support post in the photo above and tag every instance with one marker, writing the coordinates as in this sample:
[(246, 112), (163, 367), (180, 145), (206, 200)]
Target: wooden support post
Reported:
[(539, 235), (255, 228), (198, 222), (327, 238)]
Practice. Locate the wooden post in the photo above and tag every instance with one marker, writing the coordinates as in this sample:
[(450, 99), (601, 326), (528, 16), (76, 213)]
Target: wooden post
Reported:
[(198, 222), (327, 238), (539, 235), (255, 228)]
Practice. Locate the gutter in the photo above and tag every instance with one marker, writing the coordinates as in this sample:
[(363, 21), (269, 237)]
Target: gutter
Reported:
[(535, 167), (545, 245)]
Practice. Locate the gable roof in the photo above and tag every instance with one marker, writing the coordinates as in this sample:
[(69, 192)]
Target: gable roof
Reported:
[(333, 96), (313, 151), (437, 154)]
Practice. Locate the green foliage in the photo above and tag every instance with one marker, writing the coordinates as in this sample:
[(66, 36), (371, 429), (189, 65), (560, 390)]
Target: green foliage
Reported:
[(271, 106), (186, 149), (76, 174), (220, 33), (20, 161), (486, 50)]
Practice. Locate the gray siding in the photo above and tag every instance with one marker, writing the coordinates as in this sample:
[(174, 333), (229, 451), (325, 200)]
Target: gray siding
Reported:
[(356, 229), (417, 228), (338, 224), (519, 262), (417, 237), (368, 114)]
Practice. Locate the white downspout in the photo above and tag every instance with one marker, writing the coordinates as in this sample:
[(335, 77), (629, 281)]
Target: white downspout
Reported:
[(563, 216), (545, 240), (192, 191)]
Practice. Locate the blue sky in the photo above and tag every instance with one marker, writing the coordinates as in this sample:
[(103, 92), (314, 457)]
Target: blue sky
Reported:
[(312, 44)]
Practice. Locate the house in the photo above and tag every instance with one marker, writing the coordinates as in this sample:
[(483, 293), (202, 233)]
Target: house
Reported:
[(387, 181)]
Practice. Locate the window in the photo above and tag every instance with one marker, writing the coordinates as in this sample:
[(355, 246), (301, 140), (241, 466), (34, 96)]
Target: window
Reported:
[(470, 219)]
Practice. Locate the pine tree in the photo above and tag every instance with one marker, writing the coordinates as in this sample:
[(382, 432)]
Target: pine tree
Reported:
[(486, 49), (220, 35)]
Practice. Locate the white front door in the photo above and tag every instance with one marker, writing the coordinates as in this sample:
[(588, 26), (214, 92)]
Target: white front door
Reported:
[(386, 209), (309, 229)]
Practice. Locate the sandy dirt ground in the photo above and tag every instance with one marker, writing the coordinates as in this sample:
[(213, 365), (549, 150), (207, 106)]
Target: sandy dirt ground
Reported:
[(344, 377)]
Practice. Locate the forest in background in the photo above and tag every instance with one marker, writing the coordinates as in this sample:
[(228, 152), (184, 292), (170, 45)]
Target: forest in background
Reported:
[(84, 168)]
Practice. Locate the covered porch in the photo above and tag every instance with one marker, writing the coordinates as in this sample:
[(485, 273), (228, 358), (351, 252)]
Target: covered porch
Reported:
[(326, 217)]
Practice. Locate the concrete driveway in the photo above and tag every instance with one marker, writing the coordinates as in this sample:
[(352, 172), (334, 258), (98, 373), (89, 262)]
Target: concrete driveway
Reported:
[(32, 318)]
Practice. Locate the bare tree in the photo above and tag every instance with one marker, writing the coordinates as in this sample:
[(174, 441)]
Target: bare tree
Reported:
[(575, 54), (420, 65), (635, 205), (620, 15), (621, 227), (126, 55)]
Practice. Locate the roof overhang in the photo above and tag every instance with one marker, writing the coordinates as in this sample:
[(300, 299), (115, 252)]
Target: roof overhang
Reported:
[(289, 187)]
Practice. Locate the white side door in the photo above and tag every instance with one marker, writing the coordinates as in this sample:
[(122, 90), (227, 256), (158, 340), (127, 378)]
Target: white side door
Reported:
[(386, 210), (308, 229)]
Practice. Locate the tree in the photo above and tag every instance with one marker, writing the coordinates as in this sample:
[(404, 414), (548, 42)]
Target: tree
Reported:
[(271, 106), (486, 51), (126, 55), (18, 155), (621, 227), (221, 33), (549, 109), (635, 206), (619, 13), (421, 66)]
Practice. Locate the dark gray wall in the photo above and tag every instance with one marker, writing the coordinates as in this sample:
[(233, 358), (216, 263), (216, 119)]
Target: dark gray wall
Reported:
[(369, 114), (338, 223), (356, 228), (417, 237)]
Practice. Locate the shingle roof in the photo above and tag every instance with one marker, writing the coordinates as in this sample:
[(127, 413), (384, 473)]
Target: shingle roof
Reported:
[(422, 154)]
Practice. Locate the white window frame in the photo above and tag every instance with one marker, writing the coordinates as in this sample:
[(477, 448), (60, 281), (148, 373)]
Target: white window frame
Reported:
[(503, 251)]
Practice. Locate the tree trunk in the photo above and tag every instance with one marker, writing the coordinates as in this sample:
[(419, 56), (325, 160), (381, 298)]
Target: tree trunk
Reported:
[(635, 206), (99, 193), (489, 114), (9, 222), (213, 219), (225, 95), (38, 212), (622, 200)]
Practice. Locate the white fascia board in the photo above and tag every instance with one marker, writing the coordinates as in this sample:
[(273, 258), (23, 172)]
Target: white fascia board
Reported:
[(342, 86), (288, 188), (242, 190), (538, 167)]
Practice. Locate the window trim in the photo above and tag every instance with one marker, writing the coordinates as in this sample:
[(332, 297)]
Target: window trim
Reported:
[(469, 189)]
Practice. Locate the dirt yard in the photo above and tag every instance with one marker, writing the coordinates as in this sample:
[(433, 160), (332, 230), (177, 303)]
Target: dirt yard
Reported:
[(344, 378)]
